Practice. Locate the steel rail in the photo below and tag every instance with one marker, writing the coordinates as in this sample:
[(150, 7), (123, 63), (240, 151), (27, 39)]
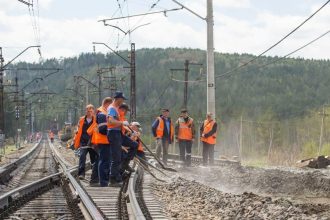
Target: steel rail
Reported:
[(7, 169), (9, 197), (133, 203), (89, 205)]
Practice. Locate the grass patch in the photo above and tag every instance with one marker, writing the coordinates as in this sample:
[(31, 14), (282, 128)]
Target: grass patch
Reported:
[(9, 149), (257, 162)]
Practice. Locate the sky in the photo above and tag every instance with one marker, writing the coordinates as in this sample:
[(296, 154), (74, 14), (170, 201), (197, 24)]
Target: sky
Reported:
[(66, 28)]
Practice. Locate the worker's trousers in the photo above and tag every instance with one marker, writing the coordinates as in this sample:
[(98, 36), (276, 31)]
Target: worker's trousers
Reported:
[(82, 161), (208, 154), (162, 144), (115, 140), (185, 151), (104, 164)]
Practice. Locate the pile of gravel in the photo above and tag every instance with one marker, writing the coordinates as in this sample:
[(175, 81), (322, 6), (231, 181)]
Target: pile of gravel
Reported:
[(184, 199), (268, 181)]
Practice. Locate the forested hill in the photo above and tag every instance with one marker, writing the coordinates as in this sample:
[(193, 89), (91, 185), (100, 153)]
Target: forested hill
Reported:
[(284, 89)]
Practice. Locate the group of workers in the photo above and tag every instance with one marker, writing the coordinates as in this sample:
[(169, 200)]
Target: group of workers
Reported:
[(112, 142), (184, 131)]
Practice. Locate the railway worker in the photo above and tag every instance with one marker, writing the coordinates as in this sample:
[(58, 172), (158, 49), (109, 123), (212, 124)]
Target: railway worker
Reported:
[(136, 127), (185, 134), (163, 131), (51, 136), (99, 137), (129, 146), (114, 135), (208, 132), (83, 142)]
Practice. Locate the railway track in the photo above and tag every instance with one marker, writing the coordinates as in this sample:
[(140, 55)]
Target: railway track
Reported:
[(197, 160), (11, 170), (126, 202), (37, 191), (40, 165), (39, 195)]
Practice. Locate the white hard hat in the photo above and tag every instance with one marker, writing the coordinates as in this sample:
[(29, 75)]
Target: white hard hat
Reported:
[(135, 123)]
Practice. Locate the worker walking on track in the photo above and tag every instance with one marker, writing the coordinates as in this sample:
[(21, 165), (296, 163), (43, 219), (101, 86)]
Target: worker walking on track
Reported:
[(51, 136), (82, 141), (163, 131), (185, 134), (114, 135), (99, 138), (208, 137)]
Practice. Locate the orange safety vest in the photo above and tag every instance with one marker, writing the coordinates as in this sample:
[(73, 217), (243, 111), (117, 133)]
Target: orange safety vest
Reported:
[(140, 146), (185, 129), (160, 129), (122, 118), (208, 125), (51, 135), (97, 138), (79, 133)]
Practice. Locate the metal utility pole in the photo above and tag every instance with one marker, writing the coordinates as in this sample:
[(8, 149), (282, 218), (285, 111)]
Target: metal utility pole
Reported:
[(112, 79), (133, 76), (31, 120), (17, 114), (2, 116), (100, 86), (133, 83), (210, 59), (185, 93), (323, 114), (186, 80), (76, 81), (87, 99), (2, 68), (99, 72), (210, 81)]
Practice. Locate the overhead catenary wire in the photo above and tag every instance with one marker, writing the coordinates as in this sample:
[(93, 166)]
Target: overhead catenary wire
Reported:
[(269, 63), (300, 48), (294, 51), (232, 71), (161, 94), (129, 28), (136, 25)]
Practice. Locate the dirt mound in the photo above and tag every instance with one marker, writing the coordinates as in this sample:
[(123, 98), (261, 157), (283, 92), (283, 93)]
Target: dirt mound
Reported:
[(271, 181), (186, 199)]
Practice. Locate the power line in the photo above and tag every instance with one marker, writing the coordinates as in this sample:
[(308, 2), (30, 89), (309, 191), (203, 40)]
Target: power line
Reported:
[(151, 7), (129, 28), (137, 23), (287, 55), (274, 45), (161, 95)]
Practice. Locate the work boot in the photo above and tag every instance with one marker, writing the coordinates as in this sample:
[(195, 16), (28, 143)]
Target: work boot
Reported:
[(94, 184), (125, 166), (81, 177), (115, 183), (126, 175)]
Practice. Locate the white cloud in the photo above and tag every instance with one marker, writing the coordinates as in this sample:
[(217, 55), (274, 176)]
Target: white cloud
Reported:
[(69, 37), (235, 35)]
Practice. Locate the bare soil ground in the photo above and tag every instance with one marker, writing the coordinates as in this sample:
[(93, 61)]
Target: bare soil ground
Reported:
[(14, 154)]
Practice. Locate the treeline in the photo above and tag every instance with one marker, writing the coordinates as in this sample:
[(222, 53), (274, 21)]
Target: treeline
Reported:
[(285, 88)]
